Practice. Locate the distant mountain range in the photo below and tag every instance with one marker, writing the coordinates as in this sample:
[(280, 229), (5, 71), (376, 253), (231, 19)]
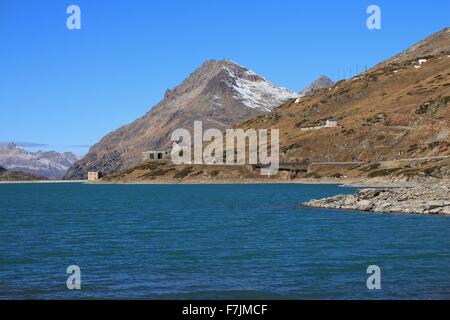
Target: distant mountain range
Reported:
[(51, 164), (219, 93)]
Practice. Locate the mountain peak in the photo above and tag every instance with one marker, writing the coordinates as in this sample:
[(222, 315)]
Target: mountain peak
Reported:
[(223, 78), (221, 62), (320, 83), (8, 145)]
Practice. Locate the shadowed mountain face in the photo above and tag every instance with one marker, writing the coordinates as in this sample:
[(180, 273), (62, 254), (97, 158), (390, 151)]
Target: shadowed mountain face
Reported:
[(219, 93), (322, 83), (51, 164)]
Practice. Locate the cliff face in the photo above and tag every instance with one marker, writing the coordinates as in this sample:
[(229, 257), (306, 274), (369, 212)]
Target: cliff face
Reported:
[(219, 93)]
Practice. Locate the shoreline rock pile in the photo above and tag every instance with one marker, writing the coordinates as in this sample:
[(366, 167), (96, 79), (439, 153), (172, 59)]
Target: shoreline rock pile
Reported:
[(420, 199)]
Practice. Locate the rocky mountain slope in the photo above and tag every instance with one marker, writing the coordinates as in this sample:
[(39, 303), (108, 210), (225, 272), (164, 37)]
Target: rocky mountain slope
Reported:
[(6, 175), (322, 83), (51, 164), (219, 93)]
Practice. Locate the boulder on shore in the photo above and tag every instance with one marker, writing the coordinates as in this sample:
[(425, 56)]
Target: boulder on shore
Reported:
[(421, 199)]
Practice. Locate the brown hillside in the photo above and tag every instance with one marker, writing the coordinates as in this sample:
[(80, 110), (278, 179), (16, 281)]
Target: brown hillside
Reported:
[(395, 111)]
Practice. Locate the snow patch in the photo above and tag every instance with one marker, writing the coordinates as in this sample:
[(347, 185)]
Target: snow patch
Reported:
[(422, 61), (260, 94)]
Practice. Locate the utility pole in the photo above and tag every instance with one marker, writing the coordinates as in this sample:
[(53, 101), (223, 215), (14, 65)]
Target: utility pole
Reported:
[(433, 138), (395, 145), (352, 145), (333, 144), (328, 153), (369, 132)]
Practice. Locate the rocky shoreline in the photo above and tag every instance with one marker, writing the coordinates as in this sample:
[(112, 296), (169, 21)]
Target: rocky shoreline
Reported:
[(419, 199)]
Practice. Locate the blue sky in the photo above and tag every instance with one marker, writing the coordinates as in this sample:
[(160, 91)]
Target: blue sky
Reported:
[(66, 89)]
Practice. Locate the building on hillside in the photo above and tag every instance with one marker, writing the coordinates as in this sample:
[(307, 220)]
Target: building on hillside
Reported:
[(94, 175), (178, 147), (330, 123), (153, 155)]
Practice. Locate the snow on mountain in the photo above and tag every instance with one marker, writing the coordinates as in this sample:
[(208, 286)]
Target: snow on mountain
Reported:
[(51, 164), (220, 93)]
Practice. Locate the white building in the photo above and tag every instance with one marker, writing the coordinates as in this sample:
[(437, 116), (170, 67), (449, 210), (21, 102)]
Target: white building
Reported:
[(331, 123)]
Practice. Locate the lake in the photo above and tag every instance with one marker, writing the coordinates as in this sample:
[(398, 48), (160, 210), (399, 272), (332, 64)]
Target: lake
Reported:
[(212, 242)]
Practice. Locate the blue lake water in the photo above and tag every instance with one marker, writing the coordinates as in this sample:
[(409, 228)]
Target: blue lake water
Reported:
[(212, 242)]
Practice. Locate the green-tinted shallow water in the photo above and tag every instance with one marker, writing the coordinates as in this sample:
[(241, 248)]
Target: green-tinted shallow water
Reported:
[(211, 241)]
